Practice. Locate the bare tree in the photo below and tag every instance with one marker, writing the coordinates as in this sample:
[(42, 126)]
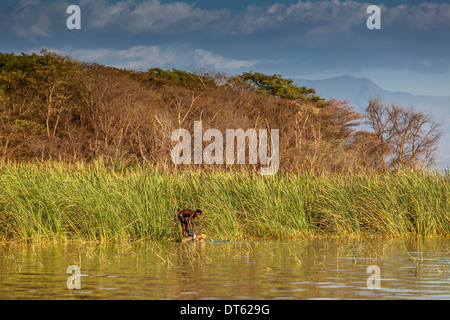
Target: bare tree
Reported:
[(408, 138)]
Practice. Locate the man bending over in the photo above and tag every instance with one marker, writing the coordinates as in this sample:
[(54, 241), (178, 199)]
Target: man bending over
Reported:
[(186, 217)]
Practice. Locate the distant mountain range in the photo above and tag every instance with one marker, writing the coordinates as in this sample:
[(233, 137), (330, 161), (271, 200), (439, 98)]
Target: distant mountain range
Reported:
[(358, 92)]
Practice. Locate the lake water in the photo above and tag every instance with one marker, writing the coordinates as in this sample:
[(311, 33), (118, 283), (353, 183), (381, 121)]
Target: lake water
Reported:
[(309, 269)]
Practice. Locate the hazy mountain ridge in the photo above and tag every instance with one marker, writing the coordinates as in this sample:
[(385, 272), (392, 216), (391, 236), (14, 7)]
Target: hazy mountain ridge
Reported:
[(358, 91)]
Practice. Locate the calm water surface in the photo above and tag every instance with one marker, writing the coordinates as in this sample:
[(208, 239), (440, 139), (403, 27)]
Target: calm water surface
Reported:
[(310, 269)]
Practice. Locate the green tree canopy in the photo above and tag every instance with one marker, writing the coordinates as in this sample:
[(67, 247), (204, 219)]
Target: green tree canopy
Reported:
[(277, 86), (176, 77)]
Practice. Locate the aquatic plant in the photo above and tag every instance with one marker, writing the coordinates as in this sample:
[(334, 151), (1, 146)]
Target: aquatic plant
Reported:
[(55, 201)]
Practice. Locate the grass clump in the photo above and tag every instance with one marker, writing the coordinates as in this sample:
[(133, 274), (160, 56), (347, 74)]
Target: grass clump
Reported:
[(57, 201)]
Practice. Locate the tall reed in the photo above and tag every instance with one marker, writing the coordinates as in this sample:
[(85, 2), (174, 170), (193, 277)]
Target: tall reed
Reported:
[(57, 201)]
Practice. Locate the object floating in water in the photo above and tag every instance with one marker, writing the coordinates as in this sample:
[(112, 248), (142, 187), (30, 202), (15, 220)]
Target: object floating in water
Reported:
[(217, 240), (197, 238)]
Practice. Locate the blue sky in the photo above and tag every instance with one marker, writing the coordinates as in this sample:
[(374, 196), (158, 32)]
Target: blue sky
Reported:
[(297, 39)]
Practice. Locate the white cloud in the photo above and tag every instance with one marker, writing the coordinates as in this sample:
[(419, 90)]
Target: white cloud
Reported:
[(334, 16), (150, 15), (208, 58), (100, 13), (304, 17), (35, 18), (425, 16), (137, 57), (28, 18), (145, 57)]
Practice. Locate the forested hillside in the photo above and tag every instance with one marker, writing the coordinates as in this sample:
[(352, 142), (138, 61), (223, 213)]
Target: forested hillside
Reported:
[(54, 107)]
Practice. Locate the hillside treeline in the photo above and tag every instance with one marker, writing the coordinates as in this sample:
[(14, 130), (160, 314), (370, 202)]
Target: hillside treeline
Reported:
[(54, 107)]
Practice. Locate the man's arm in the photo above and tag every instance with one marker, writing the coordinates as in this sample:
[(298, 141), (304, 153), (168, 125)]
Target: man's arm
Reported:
[(190, 223)]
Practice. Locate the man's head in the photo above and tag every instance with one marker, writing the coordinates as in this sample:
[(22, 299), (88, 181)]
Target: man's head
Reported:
[(198, 212)]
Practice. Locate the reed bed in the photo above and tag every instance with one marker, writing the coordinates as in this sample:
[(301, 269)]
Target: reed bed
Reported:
[(56, 201)]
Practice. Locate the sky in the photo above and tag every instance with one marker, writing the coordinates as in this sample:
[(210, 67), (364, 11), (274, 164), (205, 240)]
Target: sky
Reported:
[(296, 39)]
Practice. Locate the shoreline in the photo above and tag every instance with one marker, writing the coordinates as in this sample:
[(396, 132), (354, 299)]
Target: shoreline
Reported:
[(247, 240)]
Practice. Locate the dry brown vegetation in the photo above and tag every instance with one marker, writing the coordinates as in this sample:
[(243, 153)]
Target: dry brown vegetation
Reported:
[(52, 107)]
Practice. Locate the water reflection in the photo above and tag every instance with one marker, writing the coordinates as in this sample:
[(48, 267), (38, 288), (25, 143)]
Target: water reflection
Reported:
[(309, 269)]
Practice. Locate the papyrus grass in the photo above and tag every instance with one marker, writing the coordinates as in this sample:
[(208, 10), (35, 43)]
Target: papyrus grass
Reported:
[(56, 201)]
